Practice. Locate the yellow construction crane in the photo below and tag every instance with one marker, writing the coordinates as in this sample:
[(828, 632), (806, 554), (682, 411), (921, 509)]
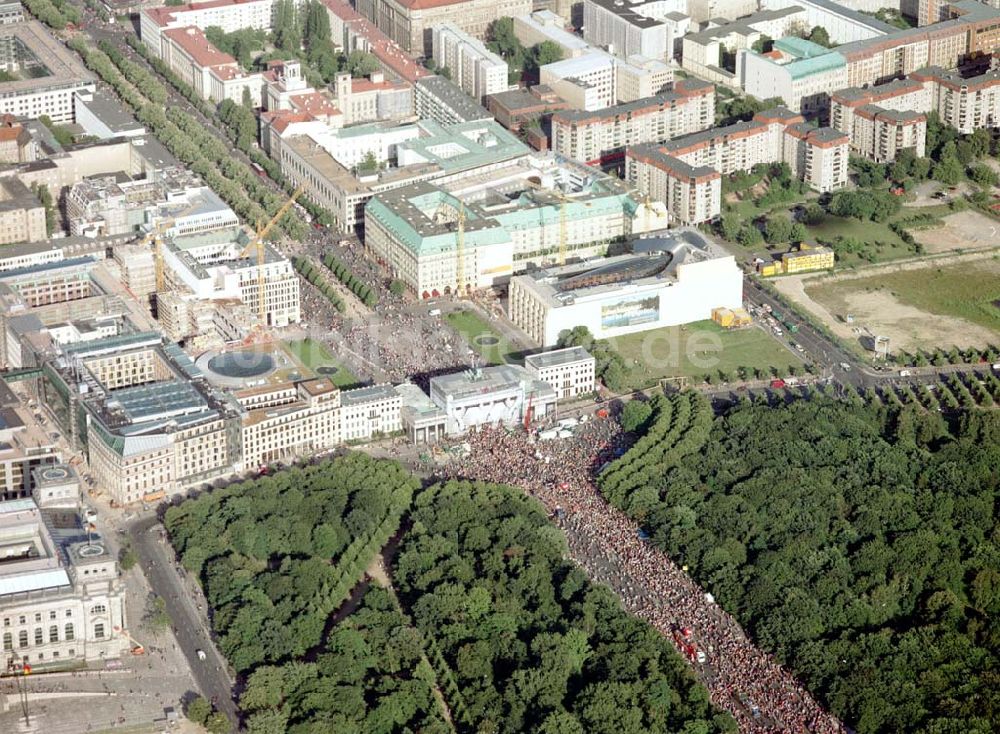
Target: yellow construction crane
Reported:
[(563, 200), (257, 244), (460, 252), (156, 238)]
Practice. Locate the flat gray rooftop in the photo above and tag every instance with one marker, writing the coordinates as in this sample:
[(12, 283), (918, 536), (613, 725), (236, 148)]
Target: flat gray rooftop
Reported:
[(557, 357)]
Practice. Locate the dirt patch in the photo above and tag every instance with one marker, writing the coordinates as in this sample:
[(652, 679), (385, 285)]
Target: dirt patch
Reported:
[(967, 230), (878, 312)]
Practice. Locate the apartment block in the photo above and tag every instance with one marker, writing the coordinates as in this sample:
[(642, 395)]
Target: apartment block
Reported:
[(883, 120), (685, 173), (602, 136), (966, 104), (477, 70), (410, 23)]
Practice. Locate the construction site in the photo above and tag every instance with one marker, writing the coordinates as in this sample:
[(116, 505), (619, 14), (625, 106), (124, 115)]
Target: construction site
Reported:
[(478, 231), (212, 287)]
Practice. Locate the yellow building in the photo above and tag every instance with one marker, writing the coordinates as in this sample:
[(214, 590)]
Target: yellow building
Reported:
[(807, 258)]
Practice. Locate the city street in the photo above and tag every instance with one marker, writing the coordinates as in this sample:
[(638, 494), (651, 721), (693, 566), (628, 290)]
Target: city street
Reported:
[(187, 612)]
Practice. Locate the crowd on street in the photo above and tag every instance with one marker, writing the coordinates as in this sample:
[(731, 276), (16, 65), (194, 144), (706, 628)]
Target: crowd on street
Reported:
[(394, 342), (742, 679)]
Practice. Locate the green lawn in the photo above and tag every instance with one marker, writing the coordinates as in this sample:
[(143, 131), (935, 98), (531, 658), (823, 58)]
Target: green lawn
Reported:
[(698, 349), (315, 356), (967, 291), (486, 341)]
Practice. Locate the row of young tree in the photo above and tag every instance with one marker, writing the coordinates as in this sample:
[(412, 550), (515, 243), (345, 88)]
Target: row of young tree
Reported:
[(191, 143), (857, 542), (352, 282), (277, 555), (316, 278), (236, 120), (56, 14)]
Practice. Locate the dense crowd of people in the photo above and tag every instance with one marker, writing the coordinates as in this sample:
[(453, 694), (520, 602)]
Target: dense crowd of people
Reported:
[(742, 679), (393, 342)]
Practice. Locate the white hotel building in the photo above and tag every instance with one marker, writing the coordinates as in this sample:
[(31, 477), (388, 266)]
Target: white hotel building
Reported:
[(473, 67)]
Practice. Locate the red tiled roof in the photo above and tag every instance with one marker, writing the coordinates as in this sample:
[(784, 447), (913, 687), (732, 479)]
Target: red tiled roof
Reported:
[(386, 51), (281, 119), (367, 85), (314, 103), (193, 41)]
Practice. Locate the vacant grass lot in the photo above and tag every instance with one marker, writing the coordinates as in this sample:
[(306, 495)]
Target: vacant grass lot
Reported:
[(315, 356), (966, 291), (700, 349)]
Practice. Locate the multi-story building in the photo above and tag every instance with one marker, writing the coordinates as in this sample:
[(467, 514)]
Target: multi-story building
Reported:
[(684, 173), (569, 371), (22, 216), (373, 99), (178, 199), (517, 108), (477, 70), (476, 232), (679, 284), (212, 73), (965, 103), (410, 22), (797, 71), (100, 114), (61, 601), (587, 82), (222, 265), (369, 412), (544, 25), (354, 32), (639, 77), (602, 136), (883, 120), (153, 422), (843, 24), (329, 162), (800, 73), (229, 15), (42, 76), (702, 11), (703, 50), (25, 446), (637, 27), (439, 99), (284, 421)]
